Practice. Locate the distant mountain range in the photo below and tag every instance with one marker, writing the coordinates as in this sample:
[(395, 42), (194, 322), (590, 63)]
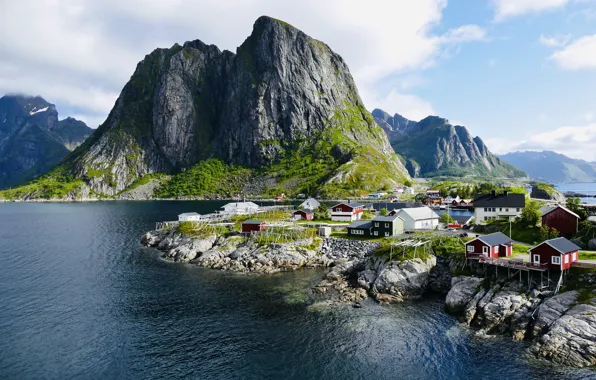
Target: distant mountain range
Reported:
[(32, 139), (433, 147), (552, 167)]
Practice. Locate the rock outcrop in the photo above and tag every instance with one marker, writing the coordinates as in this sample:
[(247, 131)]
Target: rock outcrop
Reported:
[(561, 329), (547, 192), (281, 92), (434, 147)]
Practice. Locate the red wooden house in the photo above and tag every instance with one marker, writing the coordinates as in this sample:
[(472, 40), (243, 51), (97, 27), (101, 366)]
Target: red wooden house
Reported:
[(253, 226), (304, 214), (347, 212), (494, 245), (560, 218), (556, 254)]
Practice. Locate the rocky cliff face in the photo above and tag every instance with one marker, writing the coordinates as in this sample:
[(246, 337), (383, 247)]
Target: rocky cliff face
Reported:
[(32, 139), (434, 147), (281, 92)]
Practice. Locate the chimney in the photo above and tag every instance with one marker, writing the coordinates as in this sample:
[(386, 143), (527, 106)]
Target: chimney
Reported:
[(506, 192), (494, 193)]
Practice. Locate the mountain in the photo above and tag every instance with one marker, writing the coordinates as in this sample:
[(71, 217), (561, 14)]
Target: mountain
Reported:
[(284, 107), (433, 147), (552, 167), (32, 139)]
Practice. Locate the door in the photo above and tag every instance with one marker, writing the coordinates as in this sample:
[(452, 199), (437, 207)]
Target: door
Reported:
[(536, 259)]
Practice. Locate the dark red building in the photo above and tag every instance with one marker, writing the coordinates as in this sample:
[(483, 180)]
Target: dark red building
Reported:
[(347, 212), (494, 245), (560, 218), (253, 226), (556, 254), (304, 214)]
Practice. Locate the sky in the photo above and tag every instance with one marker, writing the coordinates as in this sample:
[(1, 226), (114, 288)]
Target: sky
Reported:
[(521, 74)]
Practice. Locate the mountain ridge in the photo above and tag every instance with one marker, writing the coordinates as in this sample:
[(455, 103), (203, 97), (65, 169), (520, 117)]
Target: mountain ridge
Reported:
[(284, 106), (33, 139), (434, 147), (551, 166)]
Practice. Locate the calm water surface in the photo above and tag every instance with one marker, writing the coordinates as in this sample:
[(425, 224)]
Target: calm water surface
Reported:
[(586, 188), (80, 299)]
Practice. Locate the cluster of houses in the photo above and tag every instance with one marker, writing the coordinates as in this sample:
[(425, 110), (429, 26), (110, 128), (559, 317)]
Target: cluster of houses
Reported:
[(553, 254), (434, 198)]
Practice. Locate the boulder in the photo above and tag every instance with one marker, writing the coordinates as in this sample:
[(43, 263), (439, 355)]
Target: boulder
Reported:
[(551, 310), (402, 280), (461, 293), (571, 340)]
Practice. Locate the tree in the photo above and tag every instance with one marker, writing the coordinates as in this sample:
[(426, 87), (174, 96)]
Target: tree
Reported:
[(445, 218), (530, 214), (543, 234), (408, 183), (574, 204), (322, 213), (384, 211)]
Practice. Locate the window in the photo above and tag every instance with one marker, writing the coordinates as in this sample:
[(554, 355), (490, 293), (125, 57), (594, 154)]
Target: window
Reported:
[(485, 250), (518, 209), (507, 210), (566, 259), (485, 209), (376, 233), (495, 249), (501, 209), (536, 259), (386, 225), (556, 260), (494, 209), (376, 224), (386, 234), (338, 210), (574, 256), (485, 218), (470, 248)]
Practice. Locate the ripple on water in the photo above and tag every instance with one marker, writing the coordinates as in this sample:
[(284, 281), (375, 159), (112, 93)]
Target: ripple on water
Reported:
[(81, 299)]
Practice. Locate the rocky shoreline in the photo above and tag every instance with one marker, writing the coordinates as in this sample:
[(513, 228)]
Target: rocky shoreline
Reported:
[(561, 328)]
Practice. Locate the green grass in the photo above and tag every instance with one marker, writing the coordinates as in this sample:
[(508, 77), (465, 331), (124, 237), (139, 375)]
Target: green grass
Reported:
[(53, 185), (388, 252), (284, 235), (199, 230), (583, 255)]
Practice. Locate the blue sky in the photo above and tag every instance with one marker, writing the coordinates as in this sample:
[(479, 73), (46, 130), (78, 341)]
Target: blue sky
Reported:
[(518, 73)]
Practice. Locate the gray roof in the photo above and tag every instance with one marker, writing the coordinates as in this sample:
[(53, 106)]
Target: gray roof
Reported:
[(355, 204), (500, 200), (361, 224), (420, 213), (189, 214), (497, 238), (462, 219), (381, 218), (547, 209), (561, 244), (310, 203), (253, 222)]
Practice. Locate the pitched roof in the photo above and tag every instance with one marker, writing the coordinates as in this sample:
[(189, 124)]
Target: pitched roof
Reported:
[(548, 209), (355, 204), (419, 213), (461, 219), (361, 224), (189, 214), (310, 203), (241, 205), (500, 200), (253, 222), (497, 238), (561, 245), (381, 218)]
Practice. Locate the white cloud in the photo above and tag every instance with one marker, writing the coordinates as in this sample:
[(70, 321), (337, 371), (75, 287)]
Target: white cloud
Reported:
[(572, 141), (409, 106), (557, 41), (81, 52), (505, 9), (579, 54)]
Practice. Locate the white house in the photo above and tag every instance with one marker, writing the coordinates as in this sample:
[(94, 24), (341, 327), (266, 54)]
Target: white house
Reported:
[(409, 191), (310, 204), (449, 199), (495, 206), (240, 208), (347, 212), (419, 218), (189, 217)]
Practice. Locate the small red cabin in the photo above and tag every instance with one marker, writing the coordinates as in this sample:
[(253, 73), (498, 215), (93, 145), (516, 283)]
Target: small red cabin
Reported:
[(347, 212), (560, 218), (304, 214), (494, 245), (253, 226), (556, 254)]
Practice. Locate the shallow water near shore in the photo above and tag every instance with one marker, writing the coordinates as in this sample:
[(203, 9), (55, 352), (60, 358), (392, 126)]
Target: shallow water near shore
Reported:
[(81, 299)]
